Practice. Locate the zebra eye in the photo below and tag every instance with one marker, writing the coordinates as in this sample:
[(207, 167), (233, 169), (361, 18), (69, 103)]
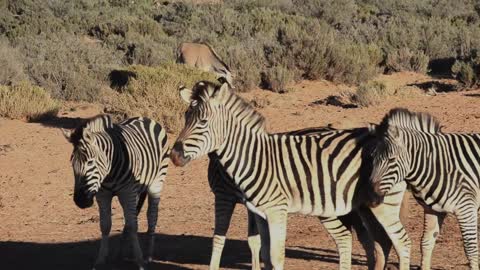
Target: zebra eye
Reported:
[(203, 122), (90, 163)]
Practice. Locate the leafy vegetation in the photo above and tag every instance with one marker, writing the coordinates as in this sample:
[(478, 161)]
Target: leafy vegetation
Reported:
[(70, 47), (153, 92)]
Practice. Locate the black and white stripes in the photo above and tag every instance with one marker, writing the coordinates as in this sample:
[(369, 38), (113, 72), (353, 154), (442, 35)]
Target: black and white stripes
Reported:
[(442, 169), (128, 160), (280, 173)]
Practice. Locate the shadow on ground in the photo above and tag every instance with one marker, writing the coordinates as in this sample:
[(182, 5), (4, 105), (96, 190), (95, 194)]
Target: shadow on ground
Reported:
[(170, 251), (440, 87), (62, 122)]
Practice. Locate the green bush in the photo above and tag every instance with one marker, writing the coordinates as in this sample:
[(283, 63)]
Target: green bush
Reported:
[(26, 102), (346, 41), (153, 92), (70, 67), (371, 93)]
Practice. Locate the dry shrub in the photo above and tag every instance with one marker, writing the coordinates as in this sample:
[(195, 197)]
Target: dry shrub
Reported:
[(467, 73), (371, 93), (406, 60), (24, 101), (11, 60), (277, 78), (259, 102), (153, 92)]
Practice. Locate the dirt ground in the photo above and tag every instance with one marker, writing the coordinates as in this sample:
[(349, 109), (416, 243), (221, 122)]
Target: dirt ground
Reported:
[(41, 228)]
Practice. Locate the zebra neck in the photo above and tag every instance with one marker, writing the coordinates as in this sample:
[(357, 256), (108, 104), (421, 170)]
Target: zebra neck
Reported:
[(245, 152)]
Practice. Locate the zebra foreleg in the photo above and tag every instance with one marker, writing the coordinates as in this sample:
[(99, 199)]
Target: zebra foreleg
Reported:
[(342, 236), (467, 217), (128, 201), (388, 215), (254, 241), (277, 227), (431, 228), (104, 201), (223, 214)]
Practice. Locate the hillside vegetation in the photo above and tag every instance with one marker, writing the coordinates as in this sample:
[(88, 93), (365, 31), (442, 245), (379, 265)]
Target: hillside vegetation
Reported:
[(70, 48)]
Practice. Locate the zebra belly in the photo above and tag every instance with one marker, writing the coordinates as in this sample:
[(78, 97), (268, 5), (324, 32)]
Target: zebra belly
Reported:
[(440, 206)]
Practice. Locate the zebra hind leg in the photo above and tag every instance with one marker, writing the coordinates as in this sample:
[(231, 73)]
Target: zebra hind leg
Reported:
[(342, 236), (254, 241), (277, 227), (431, 228), (104, 202), (128, 201), (467, 217), (152, 217)]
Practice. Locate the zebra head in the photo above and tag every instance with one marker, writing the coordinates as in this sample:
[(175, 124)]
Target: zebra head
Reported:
[(204, 130), (391, 158), (90, 158)]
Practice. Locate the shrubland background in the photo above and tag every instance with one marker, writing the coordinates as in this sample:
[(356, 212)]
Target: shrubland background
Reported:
[(122, 53)]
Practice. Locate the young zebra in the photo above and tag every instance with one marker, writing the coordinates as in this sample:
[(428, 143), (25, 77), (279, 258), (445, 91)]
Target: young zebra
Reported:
[(280, 173), (128, 160), (442, 169), (227, 195)]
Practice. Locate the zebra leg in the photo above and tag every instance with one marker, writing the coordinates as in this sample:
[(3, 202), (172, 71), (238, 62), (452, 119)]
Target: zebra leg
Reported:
[(223, 215), (262, 226), (104, 201), (254, 241), (128, 201), (431, 228), (467, 217), (342, 236), (152, 217), (277, 227), (388, 215), (374, 239)]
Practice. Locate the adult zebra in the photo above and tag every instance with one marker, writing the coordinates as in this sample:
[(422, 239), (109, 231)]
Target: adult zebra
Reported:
[(128, 160), (227, 195), (442, 169), (317, 175)]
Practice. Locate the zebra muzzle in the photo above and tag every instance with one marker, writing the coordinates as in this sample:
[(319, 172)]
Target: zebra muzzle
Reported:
[(177, 155)]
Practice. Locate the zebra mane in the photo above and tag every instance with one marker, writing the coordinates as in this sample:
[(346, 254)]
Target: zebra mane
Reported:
[(95, 124), (206, 89), (406, 119)]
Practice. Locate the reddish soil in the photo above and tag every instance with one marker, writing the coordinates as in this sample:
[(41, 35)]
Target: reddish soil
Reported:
[(42, 228)]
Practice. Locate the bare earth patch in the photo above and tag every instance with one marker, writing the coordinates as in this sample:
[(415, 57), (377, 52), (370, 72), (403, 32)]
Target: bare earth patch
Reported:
[(41, 227)]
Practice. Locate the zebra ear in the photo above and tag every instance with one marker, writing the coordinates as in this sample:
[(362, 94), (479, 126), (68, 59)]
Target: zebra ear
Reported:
[(186, 94), (87, 135), (222, 92), (67, 133)]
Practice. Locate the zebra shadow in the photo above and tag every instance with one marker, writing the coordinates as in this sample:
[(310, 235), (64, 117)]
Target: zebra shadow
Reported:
[(172, 252)]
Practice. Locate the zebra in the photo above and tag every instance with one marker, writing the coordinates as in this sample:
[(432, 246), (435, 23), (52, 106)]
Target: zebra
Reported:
[(128, 160), (319, 175), (442, 170), (227, 195)]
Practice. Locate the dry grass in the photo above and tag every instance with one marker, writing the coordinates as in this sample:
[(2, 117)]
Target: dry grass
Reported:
[(27, 102), (371, 93), (153, 92)]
